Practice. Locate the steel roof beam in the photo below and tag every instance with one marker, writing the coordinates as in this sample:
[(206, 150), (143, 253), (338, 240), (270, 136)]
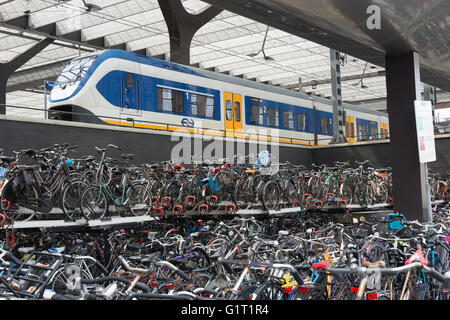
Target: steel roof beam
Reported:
[(182, 27), (8, 68)]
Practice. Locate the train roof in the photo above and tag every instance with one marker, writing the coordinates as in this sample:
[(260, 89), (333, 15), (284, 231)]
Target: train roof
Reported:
[(117, 53)]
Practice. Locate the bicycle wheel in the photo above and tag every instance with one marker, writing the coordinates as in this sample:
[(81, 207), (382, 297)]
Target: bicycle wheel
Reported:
[(269, 290), (346, 193), (271, 196), (139, 200), (240, 195), (383, 193), (291, 192), (71, 199), (94, 203), (60, 281)]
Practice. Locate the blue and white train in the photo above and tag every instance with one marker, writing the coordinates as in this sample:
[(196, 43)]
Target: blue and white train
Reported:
[(123, 88)]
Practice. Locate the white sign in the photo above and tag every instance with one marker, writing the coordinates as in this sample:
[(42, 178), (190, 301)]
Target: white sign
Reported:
[(425, 131)]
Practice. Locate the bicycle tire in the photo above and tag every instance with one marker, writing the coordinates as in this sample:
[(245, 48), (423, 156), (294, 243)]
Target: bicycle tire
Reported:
[(143, 198), (91, 194), (71, 199), (269, 290), (271, 196)]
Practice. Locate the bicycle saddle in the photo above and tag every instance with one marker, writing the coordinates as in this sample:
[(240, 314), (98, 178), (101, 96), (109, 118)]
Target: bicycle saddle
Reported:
[(29, 152), (136, 246)]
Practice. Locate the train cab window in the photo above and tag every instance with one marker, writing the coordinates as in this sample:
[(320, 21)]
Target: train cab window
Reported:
[(272, 117), (202, 106), (129, 80), (352, 130), (347, 129), (229, 111), (324, 125), (237, 111), (170, 100), (302, 121), (288, 119)]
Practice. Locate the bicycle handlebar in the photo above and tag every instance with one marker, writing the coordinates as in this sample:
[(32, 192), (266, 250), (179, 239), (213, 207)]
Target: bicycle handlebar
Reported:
[(138, 285), (291, 268), (382, 270)]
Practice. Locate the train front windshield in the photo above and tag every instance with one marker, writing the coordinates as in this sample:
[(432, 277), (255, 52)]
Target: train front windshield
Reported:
[(75, 70)]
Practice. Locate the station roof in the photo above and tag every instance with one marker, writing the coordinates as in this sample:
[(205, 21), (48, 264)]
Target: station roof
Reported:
[(225, 44)]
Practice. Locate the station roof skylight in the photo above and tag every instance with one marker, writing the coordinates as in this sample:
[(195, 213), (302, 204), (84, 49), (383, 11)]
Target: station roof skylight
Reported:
[(225, 45)]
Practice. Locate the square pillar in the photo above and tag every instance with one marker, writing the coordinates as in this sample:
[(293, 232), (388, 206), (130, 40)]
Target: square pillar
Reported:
[(408, 174)]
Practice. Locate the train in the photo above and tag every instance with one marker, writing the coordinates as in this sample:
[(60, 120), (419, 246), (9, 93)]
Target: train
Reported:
[(122, 88)]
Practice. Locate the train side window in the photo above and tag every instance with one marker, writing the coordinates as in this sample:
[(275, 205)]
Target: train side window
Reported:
[(202, 106), (129, 80), (362, 131), (237, 111), (272, 117), (210, 107), (177, 101), (373, 130), (170, 100), (229, 114), (302, 121), (256, 115), (324, 125), (164, 99), (288, 119)]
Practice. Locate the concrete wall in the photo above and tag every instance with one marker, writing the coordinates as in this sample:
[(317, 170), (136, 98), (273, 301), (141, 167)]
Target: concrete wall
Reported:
[(379, 154), (151, 146), (148, 146)]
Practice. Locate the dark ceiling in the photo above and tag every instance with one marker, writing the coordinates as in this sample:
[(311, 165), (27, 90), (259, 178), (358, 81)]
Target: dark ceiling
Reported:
[(406, 25)]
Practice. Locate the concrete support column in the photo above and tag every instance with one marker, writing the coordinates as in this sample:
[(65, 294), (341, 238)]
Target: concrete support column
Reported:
[(182, 27), (408, 174), (336, 90), (429, 94), (8, 68)]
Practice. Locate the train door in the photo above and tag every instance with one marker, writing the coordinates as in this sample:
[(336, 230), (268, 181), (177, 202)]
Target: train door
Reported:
[(131, 98), (350, 129), (233, 113), (384, 130)]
